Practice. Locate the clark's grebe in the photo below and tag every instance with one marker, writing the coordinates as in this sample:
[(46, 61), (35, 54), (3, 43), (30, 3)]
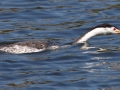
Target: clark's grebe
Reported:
[(37, 46)]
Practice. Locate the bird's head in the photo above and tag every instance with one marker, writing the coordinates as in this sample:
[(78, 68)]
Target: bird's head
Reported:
[(105, 29)]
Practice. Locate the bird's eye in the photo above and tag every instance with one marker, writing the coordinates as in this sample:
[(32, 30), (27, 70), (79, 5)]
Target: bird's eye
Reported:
[(114, 29)]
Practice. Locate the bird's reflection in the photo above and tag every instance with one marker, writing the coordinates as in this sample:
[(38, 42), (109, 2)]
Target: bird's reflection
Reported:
[(86, 46), (105, 48)]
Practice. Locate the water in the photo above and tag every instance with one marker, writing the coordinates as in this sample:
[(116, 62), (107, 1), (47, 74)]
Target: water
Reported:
[(62, 69)]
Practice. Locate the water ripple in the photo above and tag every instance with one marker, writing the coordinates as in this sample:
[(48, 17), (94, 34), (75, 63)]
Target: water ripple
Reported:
[(63, 21)]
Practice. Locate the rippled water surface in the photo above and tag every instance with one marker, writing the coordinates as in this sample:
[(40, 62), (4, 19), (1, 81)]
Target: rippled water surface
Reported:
[(62, 21)]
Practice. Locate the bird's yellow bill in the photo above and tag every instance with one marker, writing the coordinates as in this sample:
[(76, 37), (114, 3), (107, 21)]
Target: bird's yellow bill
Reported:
[(117, 31)]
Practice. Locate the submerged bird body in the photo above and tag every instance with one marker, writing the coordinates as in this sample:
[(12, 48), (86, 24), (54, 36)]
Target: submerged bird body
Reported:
[(27, 47), (37, 46)]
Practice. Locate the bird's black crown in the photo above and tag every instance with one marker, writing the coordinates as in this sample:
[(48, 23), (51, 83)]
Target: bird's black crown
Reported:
[(103, 26)]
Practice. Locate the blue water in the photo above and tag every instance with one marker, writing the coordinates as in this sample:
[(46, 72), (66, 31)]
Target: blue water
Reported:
[(62, 69)]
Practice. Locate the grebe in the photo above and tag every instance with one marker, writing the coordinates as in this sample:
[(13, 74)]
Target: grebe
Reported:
[(37, 46)]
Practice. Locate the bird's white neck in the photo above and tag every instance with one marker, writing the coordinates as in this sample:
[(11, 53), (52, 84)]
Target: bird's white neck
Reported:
[(90, 34)]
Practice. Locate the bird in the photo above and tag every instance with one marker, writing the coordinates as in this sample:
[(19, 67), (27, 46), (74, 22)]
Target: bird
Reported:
[(38, 46)]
